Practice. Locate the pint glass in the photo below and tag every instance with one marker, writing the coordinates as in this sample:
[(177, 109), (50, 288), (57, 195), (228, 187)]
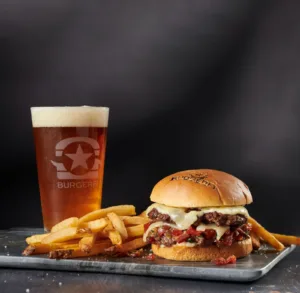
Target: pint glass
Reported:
[(70, 147)]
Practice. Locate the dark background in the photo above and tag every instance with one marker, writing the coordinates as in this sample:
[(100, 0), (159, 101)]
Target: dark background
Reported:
[(190, 84)]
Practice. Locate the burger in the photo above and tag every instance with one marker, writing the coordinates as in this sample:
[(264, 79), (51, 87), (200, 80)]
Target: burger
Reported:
[(199, 215)]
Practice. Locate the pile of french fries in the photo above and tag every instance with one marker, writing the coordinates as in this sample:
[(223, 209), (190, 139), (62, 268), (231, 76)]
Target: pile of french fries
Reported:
[(106, 231)]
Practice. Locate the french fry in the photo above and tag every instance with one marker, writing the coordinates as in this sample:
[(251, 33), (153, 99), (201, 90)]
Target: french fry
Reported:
[(118, 224), (104, 233), (107, 241), (36, 238), (130, 245), (255, 240), (84, 225), (109, 225), (135, 231), (60, 236), (265, 235), (122, 210), (97, 248), (115, 237), (86, 243), (65, 235), (143, 214), (97, 225), (287, 240), (40, 248), (70, 222), (134, 220)]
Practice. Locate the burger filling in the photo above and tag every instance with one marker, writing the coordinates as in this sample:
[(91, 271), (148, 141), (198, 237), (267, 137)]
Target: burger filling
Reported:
[(196, 227)]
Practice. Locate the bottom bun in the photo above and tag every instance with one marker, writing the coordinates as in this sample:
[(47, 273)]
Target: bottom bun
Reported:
[(239, 249)]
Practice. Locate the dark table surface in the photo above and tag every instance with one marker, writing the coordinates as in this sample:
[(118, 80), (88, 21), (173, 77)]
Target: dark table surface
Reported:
[(283, 278)]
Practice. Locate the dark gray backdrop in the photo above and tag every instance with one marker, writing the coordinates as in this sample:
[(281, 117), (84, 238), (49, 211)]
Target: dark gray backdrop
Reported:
[(190, 84)]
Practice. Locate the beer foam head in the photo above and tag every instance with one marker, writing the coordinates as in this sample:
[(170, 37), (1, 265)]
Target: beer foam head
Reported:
[(84, 116)]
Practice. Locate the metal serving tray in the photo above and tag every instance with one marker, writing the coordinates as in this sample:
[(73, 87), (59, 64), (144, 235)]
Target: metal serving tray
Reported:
[(12, 243)]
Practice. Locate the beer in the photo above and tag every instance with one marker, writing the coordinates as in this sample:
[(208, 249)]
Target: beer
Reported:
[(70, 147)]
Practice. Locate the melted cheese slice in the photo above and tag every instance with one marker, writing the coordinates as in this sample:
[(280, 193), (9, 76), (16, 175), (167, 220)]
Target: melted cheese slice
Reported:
[(184, 220)]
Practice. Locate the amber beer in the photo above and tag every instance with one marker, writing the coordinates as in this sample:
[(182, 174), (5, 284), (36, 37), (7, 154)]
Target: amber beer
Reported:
[(70, 147)]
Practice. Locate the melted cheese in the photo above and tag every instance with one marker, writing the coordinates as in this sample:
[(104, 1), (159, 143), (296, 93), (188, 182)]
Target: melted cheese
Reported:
[(184, 220)]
